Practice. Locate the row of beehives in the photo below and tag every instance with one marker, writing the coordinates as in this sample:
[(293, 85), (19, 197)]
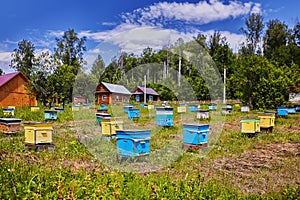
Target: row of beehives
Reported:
[(38, 135), (266, 120), (131, 143)]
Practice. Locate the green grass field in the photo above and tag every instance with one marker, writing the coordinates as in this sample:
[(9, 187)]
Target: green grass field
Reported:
[(235, 166)]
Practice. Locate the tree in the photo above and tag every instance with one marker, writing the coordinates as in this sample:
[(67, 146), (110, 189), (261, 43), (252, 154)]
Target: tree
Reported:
[(98, 67), (275, 37), (1, 72), (253, 32), (70, 50), (23, 58)]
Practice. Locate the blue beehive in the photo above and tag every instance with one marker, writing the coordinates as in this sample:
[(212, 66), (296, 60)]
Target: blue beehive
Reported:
[(195, 134), (164, 116), (100, 116), (282, 111), (212, 107), (291, 110), (9, 111), (59, 109), (50, 114), (193, 108), (103, 107), (126, 108), (297, 107), (229, 107), (133, 142), (133, 113)]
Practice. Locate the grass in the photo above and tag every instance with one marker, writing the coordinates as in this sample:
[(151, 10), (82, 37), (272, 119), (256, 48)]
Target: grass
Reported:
[(236, 168)]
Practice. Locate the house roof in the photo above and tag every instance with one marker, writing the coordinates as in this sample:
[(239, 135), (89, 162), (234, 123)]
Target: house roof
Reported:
[(114, 88), (148, 91), (7, 77)]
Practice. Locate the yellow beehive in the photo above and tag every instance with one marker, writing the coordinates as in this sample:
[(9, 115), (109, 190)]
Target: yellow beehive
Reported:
[(150, 107), (34, 108), (181, 109), (38, 133), (14, 107), (109, 126), (267, 120), (250, 126)]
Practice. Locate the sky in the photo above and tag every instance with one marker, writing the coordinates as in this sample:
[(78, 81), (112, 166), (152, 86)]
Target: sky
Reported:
[(113, 26)]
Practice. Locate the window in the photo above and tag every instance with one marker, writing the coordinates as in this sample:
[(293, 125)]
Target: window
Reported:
[(117, 98), (103, 97)]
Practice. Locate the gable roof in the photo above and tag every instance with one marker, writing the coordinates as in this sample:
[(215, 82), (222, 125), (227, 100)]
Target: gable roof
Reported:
[(148, 91), (7, 77), (114, 88)]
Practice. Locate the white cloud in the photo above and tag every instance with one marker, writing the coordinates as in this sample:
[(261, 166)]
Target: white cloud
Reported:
[(202, 12)]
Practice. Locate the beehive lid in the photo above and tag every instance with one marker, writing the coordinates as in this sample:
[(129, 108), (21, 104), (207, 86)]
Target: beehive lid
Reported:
[(194, 124), (50, 111), (250, 120), (37, 124), (10, 120)]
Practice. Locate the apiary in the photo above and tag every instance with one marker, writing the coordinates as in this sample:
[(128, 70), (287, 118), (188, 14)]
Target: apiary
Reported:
[(50, 114), (250, 125), (297, 107), (267, 121), (10, 125), (291, 110), (100, 116), (59, 109), (195, 135), (226, 111), (34, 108), (110, 125), (150, 107), (133, 113), (75, 108), (193, 108), (164, 116), (131, 143), (38, 136), (8, 111), (245, 109), (181, 108), (212, 107), (282, 111), (127, 108), (202, 114)]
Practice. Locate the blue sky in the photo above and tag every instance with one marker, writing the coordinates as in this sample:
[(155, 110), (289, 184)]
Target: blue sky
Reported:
[(117, 25)]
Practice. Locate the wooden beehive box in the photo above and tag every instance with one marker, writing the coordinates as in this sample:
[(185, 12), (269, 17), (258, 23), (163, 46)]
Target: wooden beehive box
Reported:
[(100, 116), (10, 125), (164, 116), (8, 111), (267, 120), (195, 134), (250, 126), (38, 133), (132, 143), (133, 113), (50, 114), (150, 107), (75, 108), (245, 109), (181, 108), (202, 114), (34, 108), (110, 125)]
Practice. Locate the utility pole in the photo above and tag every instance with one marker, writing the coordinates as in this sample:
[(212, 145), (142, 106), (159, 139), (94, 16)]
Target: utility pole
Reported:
[(224, 97), (145, 95)]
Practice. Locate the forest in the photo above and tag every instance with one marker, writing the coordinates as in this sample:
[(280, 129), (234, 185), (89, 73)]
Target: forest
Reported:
[(261, 74)]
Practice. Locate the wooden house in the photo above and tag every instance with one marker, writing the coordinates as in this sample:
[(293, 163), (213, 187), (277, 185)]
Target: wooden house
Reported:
[(13, 91), (79, 100), (107, 93), (139, 92)]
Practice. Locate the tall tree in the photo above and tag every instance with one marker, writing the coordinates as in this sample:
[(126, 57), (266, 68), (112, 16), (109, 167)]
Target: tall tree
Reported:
[(70, 49), (275, 37), (69, 52), (98, 67), (1, 72), (253, 31), (23, 58)]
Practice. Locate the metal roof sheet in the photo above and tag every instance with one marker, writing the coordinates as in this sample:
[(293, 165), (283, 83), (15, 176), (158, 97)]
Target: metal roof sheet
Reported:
[(114, 88), (148, 91), (7, 77)]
